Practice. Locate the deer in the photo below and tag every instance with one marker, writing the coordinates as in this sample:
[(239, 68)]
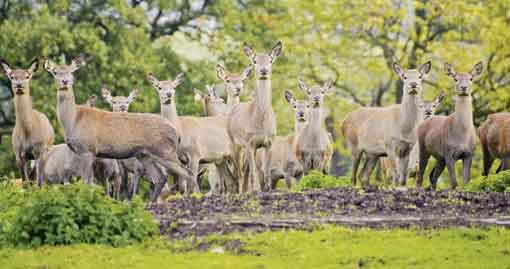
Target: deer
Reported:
[(252, 125), (386, 131), (212, 104), (32, 134), (315, 145), (493, 133), (200, 135), (284, 162), (450, 138), (91, 101), (234, 83), (427, 109), (119, 103), (105, 134)]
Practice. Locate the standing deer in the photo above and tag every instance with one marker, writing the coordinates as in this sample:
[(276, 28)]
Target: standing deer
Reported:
[(234, 83), (386, 131), (493, 135), (450, 138), (32, 134), (212, 104), (427, 109), (114, 135), (315, 146), (201, 136), (252, 125), (284, 162)]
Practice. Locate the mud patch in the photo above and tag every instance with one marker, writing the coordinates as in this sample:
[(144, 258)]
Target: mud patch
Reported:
[(344, 206)]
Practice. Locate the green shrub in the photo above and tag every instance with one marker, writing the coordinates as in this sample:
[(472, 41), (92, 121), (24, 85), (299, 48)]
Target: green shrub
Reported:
[(318, 180), (70, 214), (493, 183)]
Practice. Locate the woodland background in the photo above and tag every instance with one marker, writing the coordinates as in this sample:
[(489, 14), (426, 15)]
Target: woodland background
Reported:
[(352, 42)]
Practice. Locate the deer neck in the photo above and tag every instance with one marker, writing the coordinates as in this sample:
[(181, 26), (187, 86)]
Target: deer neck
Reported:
[(169, 112), (298, 126), (263, 98), (23, 110), (409, 113), (463, 113), (315, 119), (66, 108)]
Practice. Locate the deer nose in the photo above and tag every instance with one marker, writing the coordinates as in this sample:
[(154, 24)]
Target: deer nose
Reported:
[(464, 88), (263, 71), (123, 107), (65, 81), (301, 114), (413, 84), (316, 98)]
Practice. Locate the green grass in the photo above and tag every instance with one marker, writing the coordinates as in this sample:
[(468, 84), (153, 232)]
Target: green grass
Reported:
[(331, 247)]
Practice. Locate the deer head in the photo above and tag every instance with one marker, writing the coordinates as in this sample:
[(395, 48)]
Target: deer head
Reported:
[(210, 97), (429, 108), (233, 82), (19, 77), (63, 73), (316, 93), (119, 103), (263, 62), (412, 78), (166, 88), (301, 108), (463, 81), (92, 100)]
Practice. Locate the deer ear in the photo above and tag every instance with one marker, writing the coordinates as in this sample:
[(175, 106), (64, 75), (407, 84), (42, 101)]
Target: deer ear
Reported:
[(107, 95), (477, 69), (198, 95), (246, 72), (303, 86), (178, 79), (248, 50), (34, 65), (448, 69), (211, 90), (133, 94), (398, 69), (77, 62), (6, 67), (153, 80), (220, 71), (425, 68), (289, 97), (327, 86), (48, 65), (276, 50), (439, 98)]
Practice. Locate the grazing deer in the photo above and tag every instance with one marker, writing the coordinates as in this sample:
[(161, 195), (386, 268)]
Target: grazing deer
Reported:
[(213, 104), (284, 162), (493, 135), (234, 83), (204, 139), (386, 131), (427, 109), (315, 145), (450, 138), (252, 125), (32, 134), (114, 135)]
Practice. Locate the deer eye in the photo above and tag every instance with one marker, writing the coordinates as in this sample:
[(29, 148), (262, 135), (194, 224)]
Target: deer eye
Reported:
[(295, 107), (471, 79), (405, 77), (420, 77), (228, 80), (27, 77), (455, 79)]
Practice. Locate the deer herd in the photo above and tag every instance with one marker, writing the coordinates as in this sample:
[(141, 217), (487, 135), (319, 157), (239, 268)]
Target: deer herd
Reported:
[(236, 142)]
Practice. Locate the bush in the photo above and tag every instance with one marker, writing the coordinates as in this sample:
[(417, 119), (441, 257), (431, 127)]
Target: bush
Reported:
[(318, 180), (493, 183), (70, 214)]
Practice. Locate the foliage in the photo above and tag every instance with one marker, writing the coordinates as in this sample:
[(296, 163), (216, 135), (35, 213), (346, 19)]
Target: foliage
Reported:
[(77, 213), (492, 183), (332, 247), (318, 180)]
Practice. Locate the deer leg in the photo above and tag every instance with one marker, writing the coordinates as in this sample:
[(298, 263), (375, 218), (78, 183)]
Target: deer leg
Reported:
[(267, 180), (370, 163), (436, 172), (193, 181), (487, 160), (450, 163), (503, 165), (403, 163), (466, 169), (254, 183)]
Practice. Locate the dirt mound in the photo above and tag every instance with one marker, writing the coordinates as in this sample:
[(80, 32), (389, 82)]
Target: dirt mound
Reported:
[(345, 206)]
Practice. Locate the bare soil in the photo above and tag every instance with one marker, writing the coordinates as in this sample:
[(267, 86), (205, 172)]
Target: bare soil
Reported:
[(191, 216)]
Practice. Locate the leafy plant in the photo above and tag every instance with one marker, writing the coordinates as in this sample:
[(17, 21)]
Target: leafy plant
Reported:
[(318, 180), (71, 214), (493, 183)]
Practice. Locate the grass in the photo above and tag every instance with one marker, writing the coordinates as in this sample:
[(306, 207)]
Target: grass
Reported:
[(330, 247)]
